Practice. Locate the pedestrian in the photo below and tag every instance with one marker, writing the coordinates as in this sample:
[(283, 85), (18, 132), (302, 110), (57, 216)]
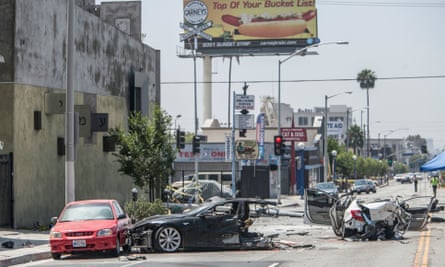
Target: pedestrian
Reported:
[(415, 183), (434, 184)]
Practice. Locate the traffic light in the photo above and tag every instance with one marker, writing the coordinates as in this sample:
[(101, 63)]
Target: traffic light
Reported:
[(423, 149), (390, 161), (180, 139), (196, 144), (278, 144)]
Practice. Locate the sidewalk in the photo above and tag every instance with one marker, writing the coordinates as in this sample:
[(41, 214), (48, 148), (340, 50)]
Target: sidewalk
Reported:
[(27, 246)]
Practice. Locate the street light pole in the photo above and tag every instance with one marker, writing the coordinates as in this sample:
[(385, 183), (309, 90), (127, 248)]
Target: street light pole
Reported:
[(334, 156), (302, 51), (325, 134), (384, 139)]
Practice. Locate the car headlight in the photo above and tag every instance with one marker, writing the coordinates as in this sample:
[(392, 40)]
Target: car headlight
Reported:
[(104, 232), (55, 234)]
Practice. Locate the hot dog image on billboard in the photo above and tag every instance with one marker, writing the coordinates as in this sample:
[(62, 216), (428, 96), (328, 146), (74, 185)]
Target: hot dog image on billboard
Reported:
[(272, 26), (257, 24)]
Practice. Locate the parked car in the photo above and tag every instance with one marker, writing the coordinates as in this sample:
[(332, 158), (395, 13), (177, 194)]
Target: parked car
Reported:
[(361, 185), (398, 176), (328, 187), (372, 185), (90, 225), (216, 224), (406, 179)]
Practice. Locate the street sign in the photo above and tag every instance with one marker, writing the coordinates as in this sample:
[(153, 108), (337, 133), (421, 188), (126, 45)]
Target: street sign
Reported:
[(294, 134), (246, 149), (245, 102), (195, 30), (245, 121)]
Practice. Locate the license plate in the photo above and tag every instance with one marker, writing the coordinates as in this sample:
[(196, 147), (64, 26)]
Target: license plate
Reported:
[(79, 243)]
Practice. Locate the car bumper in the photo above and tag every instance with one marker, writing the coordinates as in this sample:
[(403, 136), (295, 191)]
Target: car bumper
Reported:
[(83, 244)]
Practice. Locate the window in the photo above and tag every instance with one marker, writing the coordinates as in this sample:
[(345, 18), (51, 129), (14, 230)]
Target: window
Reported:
[(303, 121)]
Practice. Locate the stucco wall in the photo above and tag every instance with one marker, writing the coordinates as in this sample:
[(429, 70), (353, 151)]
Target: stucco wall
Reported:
[(6, 39), (104, 55), (39, 172), (104, 58), (6, 107)]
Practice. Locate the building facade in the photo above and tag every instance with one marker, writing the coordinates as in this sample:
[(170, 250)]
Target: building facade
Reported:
[(114, 73), (339, 120)]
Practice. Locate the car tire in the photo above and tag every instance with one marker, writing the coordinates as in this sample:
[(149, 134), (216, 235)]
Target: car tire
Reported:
[(117, 250), (168, 239), (56, 256), (127, 246)]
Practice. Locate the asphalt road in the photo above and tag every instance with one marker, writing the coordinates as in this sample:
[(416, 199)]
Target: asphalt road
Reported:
[(299, 244)]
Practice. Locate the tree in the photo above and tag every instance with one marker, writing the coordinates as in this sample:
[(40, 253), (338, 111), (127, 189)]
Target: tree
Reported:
[(355, 137), (366, 78), (145, 152)]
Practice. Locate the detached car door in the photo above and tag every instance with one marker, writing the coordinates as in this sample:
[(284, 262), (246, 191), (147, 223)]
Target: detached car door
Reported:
[(316, 207), (419, 207)]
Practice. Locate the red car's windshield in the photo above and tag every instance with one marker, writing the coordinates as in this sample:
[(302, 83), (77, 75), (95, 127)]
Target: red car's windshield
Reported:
[(93, 211)]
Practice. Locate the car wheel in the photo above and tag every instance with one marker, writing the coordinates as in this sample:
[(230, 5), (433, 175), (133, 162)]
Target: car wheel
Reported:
[(117, 250), (127, 246), (168, 239), (56, 256)]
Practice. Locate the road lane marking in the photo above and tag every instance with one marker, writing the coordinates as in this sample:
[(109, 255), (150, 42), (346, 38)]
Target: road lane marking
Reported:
[(426, 248), (421, 258)]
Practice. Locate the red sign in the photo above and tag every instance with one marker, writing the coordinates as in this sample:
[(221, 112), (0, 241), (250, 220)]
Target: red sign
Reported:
[(294, 134)]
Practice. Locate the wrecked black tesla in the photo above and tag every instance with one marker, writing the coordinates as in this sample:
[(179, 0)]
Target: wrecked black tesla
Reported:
[(217, 224)]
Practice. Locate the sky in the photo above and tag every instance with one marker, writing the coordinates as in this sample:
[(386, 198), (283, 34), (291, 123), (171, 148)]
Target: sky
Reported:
[(402, 41)]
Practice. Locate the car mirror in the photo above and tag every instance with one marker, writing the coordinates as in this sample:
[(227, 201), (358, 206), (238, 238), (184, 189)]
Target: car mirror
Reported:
[(122, 216), (53, 220)]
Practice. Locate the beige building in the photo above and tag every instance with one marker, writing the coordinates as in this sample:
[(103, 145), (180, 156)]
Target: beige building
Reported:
[(114, 73)]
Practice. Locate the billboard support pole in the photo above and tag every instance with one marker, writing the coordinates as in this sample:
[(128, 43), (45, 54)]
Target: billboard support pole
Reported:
[(196, 155), (233, 148)]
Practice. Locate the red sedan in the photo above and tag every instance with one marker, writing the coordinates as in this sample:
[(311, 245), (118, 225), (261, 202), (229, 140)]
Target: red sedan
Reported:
[(90, 225)]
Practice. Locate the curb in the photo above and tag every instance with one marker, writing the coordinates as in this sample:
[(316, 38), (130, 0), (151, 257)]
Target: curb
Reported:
[(25, 258)]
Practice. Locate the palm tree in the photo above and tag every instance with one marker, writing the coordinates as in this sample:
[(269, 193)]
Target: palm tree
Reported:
[(355, 137), (366, 78)]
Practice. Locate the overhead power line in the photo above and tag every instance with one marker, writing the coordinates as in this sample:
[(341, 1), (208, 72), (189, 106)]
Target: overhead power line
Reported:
[(312, 80), (383, 4)]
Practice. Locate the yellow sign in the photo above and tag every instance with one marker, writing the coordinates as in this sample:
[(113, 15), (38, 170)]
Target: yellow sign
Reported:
[(258, 23)]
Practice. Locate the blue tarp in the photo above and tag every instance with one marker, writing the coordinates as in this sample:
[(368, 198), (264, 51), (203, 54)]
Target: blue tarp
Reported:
[(435, 164)]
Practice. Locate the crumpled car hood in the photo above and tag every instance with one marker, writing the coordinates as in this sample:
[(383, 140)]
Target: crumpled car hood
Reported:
[(156, 219)]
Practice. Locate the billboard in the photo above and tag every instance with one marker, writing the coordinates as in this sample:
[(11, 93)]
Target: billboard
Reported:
[(251, 27)]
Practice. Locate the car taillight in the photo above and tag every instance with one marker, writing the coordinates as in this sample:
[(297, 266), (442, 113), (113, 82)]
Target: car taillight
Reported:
[(357, 215)]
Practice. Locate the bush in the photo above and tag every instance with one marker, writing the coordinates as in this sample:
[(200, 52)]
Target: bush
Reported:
[(142, 208)]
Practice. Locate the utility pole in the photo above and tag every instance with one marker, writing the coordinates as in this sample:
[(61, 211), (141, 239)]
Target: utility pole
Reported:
[(69, 119)]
